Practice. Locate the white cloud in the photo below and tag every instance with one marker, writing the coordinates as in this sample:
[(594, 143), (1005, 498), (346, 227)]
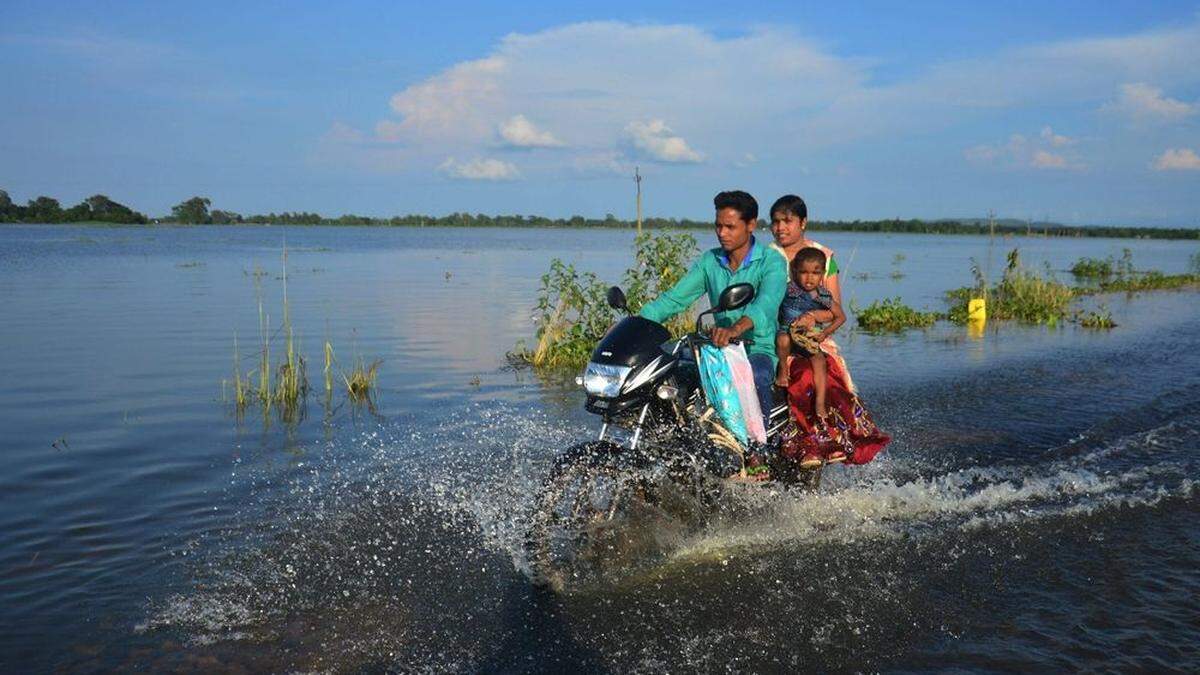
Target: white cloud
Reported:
[(1055, 140), (1077, 72), (593, 79), (389, 131), (1023, 152), (519, 132), (448, 105), (604, 163), (1047, 160), (589, 80), (1177, 159), (655, 140), (1144, 103), (479, 168)]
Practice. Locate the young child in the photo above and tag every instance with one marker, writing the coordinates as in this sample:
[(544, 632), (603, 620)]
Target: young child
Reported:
[(805, 304)]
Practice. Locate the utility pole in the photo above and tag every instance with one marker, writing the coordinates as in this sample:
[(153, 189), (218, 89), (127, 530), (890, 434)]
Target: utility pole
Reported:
[(637, 178)]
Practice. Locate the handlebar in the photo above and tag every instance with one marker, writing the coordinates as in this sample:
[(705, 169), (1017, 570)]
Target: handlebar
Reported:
[(705, 339)]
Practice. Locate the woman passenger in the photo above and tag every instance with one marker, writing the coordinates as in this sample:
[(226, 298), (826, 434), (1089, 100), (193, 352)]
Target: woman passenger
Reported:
[(849, 433)]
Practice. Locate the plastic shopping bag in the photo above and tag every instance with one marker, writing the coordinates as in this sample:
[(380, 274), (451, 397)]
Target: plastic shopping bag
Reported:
[(743, 382), (717, 379)]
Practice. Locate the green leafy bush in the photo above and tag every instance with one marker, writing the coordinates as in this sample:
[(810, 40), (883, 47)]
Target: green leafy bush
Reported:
[(1101, 319), (572, 311), (1149, 281), (892, 315), (1022, 295), (1092, 268)]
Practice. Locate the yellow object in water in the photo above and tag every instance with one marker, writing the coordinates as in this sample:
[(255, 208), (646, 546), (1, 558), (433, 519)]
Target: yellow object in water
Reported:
[(976, 310), (975, 330)]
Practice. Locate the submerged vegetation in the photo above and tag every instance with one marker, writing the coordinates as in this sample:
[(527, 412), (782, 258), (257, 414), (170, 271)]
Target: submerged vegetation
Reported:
[(1114, 276), (572, 313), (892, 316), (361, 380), (284, 387), (1100, 319), (1092, 268), (1022, 295), (1149, 281)]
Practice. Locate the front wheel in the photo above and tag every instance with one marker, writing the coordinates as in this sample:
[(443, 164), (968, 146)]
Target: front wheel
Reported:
[(577, 528)]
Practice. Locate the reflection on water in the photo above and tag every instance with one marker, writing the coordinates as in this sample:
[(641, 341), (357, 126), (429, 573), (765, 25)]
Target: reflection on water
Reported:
[(1036, 509)]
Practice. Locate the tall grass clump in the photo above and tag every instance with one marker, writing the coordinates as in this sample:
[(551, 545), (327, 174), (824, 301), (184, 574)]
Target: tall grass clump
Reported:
[(1093, 268), (1152, 280), (1022, 295), (360, 382), (892, 316), (1124, 277), (241, 386), (291, 382), (572, 313), (289, 386), (1100, 319)]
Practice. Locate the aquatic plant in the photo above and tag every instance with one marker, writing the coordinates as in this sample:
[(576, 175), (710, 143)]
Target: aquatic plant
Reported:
[(284, 385), (1092, 268), (1021, 295), (1096, 319), (361, 380), (572, 313), (328, 370), (893, 316), (1124, 277), (291, 382), (241, 387), (1152, 280), (659, 263)]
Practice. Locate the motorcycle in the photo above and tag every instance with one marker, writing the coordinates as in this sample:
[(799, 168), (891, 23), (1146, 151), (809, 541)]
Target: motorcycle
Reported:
[(661, 446)]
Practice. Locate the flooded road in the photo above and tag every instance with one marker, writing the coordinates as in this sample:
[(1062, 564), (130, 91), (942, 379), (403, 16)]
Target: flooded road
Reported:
[(1037, 509)]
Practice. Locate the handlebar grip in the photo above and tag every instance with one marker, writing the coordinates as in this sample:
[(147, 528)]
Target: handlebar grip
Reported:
[(700, 337)]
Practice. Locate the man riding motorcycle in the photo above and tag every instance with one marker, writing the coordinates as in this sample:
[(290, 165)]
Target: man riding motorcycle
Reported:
[(738, 259)]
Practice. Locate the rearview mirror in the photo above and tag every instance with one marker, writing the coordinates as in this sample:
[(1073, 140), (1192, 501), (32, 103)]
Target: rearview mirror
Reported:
[(616, 298), (734, 297)]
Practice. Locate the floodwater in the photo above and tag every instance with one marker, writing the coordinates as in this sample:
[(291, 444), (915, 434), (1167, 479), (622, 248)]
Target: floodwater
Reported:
[(1037, 510)]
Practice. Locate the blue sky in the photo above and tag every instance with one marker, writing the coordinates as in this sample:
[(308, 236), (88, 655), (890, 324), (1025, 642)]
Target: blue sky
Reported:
[(1081, 112)]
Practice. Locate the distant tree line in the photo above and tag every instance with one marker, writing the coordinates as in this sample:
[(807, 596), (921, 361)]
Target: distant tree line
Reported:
[(197, 211), (94, 209), (1007, 227)]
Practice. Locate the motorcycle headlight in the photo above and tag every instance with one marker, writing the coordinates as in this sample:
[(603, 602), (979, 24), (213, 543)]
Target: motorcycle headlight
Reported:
[(604, 380)]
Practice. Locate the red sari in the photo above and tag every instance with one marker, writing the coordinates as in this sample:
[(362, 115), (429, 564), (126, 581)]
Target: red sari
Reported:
[(850, 427)]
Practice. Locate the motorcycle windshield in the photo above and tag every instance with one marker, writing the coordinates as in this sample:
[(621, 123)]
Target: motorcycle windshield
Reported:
[(632, 342)]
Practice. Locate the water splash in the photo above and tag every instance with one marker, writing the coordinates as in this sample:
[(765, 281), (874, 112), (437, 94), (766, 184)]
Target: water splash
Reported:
[(392, 547)]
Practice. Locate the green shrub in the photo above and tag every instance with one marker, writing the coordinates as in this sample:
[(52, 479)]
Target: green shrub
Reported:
[(1092, 268), (892, 315), (1097, 319), (573, 313), (1022, 295), (1149, 281)]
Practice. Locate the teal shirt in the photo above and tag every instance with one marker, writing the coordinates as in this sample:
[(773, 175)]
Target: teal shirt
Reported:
[(764, 268)]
